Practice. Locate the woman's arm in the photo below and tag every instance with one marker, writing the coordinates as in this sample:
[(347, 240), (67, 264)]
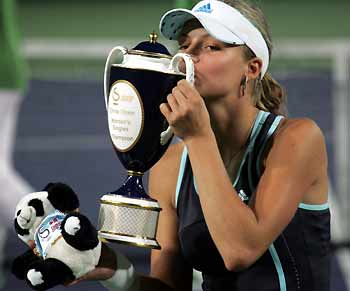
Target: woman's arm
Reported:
[(295, 164), (169, 272), (295, 171), (168, 264)]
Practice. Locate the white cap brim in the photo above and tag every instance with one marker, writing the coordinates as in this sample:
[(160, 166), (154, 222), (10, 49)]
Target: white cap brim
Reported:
[(174, 20)]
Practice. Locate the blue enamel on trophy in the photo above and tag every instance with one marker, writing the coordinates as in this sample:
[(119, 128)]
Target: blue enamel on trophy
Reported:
[(136, 82)]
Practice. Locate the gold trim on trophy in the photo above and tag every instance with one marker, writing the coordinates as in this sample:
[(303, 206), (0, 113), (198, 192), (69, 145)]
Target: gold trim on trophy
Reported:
[(134, 173), (128, 235), (137, 244), (123, 204), (149, 54)]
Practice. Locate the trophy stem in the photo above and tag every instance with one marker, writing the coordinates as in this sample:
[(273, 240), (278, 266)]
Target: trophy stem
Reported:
[(133, 187)]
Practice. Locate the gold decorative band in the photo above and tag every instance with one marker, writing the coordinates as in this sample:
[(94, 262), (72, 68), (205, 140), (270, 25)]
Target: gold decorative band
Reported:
[(134, 173), (148, 54), (137, 244), (127, 235), (148, 246), (123, 204)]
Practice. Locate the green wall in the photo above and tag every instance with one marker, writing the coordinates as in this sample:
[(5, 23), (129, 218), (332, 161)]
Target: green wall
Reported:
[(109, 19)]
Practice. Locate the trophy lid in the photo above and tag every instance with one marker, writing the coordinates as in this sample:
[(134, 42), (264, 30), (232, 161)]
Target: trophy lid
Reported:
[(151, 48)]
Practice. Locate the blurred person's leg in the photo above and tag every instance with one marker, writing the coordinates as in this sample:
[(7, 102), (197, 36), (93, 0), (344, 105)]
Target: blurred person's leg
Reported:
[(12, 185)]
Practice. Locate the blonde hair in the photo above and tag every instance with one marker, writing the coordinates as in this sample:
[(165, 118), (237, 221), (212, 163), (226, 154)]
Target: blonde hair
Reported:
[(268, 94)]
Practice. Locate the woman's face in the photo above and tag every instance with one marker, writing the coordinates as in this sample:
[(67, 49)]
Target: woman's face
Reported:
[(219, 68)]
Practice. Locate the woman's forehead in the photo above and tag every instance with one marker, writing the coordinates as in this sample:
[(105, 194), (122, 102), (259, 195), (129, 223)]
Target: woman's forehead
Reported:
[(190, 26)]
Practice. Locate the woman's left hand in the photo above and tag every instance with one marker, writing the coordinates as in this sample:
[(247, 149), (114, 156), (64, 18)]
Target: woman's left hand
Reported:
[(186, 112)]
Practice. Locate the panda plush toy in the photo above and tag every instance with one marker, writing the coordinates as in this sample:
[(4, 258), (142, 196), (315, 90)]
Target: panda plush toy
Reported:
[(63, 243)]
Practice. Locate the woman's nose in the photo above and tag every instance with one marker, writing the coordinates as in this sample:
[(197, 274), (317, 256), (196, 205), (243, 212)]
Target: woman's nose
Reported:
[(193, 51), (195, 58)]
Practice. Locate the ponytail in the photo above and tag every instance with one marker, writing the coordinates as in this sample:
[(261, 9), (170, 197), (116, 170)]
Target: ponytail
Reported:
[(270, 96), (267, 95)]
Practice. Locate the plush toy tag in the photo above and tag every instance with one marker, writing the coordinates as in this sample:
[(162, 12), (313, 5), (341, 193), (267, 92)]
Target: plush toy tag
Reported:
[(48, 232)]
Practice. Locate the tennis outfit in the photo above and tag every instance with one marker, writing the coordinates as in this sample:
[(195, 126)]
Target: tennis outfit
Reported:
[(298, 259)]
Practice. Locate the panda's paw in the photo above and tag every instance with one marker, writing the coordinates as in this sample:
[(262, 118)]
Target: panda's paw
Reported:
[(26, 217), (79, 233), (48, 273), (72, 225), (35, 277)]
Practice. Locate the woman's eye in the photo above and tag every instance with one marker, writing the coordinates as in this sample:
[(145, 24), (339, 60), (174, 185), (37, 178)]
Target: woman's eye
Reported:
[(183, 47), (212, 48)]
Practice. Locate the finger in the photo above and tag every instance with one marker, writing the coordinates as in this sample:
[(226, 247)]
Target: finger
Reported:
[(172, 102), (181, 99), (72, 282), (99, 273), (165, 110), (31, 244), (187, 89)]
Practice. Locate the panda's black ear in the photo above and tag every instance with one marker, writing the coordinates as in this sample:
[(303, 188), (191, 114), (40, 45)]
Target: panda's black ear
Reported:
[(38, 206), (48, 186), (62, 197)]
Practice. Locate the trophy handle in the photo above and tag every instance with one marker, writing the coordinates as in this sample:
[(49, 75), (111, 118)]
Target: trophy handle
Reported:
[(116, 55), (174, 65)]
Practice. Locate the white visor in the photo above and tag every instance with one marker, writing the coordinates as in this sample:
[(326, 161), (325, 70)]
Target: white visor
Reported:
[(222, 22)]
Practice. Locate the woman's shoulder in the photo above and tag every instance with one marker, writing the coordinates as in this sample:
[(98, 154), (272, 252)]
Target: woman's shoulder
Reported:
[(299, 129), (300, 135), (299, 150)]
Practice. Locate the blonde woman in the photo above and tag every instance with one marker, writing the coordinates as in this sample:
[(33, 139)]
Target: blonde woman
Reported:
[(244, 195)]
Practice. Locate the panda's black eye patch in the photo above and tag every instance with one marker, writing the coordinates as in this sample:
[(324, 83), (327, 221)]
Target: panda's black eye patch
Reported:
[(18, 212), (38, 206)]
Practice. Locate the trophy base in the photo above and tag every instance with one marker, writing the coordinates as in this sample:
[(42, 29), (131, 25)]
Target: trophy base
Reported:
[(129, 240), (129, 220)]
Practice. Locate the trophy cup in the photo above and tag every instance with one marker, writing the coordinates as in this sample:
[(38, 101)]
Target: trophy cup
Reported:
[(136, 82)]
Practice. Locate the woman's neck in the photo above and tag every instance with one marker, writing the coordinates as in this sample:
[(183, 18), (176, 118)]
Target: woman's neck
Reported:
[(232, 126)]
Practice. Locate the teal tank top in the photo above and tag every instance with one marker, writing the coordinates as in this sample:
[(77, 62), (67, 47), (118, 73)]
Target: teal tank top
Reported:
[(298, 260)]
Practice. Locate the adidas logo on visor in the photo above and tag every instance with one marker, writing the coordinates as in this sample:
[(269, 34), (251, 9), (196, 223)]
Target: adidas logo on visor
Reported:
[(205, 8)]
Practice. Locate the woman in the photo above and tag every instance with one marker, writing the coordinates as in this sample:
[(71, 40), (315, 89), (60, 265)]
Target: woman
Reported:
[(244, 195)]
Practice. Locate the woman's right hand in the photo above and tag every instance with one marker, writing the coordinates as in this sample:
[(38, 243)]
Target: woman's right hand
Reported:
[(104, 270), (186, 112), (97, 274)]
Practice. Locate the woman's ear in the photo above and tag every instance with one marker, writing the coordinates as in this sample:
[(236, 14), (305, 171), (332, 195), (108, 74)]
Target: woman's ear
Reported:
[(254, 68)]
